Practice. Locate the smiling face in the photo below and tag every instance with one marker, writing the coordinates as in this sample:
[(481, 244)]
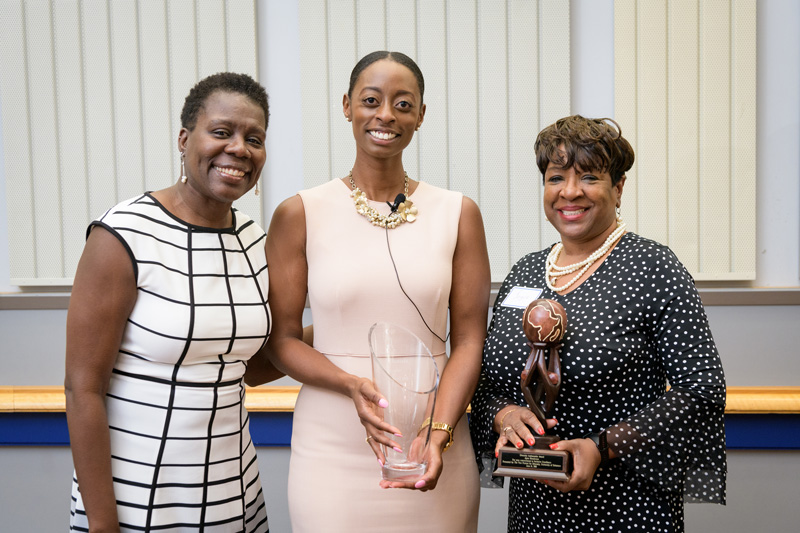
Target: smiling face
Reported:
[(385, 108), (225, 152), (581, 205)]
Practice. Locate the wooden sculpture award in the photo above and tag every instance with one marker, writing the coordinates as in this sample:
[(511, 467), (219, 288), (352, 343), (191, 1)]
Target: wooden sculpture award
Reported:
[(544, 323)]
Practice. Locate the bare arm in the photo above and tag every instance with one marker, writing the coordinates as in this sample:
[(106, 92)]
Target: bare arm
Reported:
[(103, 296), (288, 287), (469, 305), (260, 369)]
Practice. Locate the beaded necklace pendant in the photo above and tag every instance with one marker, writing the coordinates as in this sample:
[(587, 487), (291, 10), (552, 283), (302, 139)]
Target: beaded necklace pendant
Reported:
[(406, 211)]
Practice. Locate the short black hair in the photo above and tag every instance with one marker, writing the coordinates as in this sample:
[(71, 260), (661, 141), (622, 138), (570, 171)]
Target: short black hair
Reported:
[(228, 82), (397, 57)]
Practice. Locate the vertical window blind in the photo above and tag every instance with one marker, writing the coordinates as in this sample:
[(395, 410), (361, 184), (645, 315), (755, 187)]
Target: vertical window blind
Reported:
[(91, 97), (496, 72), (685, 95)]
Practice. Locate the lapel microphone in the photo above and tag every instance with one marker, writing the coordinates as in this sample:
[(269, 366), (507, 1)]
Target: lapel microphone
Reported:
[(399, 199)]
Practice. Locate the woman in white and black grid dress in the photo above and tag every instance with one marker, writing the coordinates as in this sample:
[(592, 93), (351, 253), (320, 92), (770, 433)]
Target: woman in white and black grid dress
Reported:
[(169, 316)]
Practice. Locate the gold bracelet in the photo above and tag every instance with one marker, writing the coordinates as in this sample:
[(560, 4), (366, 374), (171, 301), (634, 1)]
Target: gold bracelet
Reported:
[(503, 419), (446, 427)]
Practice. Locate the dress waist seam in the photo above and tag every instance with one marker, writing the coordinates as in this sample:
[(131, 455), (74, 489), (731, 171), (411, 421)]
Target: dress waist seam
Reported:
[(367, 356)]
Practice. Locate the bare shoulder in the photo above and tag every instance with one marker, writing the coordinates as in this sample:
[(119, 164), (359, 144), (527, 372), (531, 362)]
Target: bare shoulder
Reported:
[(469, 208), (104, 290), (288, 222), (289, 210), (105, 259), (471, 220)]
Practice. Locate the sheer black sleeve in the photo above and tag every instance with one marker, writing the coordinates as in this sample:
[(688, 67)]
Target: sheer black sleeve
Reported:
[(498, 385), (678, 441)]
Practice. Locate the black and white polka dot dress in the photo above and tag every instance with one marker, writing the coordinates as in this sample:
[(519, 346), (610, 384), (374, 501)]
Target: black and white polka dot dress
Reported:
[(634, 326)]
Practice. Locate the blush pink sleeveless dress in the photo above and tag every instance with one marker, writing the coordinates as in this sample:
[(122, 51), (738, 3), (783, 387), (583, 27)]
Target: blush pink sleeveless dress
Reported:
[(334, 475)]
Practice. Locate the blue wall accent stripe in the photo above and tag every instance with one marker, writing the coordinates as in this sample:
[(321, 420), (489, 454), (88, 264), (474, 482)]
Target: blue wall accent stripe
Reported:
[(743, 432), (33, 429), (762, 432)]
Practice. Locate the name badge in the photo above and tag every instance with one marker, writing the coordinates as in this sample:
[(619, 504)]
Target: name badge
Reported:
[(520, 297)]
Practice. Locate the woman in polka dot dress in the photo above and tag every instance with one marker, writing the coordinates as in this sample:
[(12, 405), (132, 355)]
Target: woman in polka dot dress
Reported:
[(635, 328)]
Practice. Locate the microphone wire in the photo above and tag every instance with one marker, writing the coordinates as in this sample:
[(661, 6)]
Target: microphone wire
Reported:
[(397, 275)]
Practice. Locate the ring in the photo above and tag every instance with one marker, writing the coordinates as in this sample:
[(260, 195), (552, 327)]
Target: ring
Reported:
[(367, 439), (506, 429)]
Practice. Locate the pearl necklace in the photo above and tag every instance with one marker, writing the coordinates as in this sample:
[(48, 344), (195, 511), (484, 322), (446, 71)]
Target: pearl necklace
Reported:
[(405, 212), (552, 271)]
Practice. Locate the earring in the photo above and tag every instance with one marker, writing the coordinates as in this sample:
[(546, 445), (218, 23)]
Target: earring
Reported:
[(256, 188), (184, 179), (619, 215)]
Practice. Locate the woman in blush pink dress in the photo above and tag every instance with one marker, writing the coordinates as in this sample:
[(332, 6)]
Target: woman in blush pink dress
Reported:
[(323, 247)]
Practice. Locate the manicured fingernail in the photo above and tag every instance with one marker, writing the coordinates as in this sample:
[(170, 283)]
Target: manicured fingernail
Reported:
[(554, 446), (419, 484), (383, 402), (398, 450), (530, 442), (398, 434), (380, 463), (540, 431), (518, 445), (496, 454)]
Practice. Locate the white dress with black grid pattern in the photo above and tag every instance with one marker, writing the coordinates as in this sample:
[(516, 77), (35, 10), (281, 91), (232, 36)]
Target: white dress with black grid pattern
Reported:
[(636, 324), (182, 458)]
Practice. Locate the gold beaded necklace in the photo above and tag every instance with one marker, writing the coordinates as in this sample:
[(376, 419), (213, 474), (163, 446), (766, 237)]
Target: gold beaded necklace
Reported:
[(405, 212)]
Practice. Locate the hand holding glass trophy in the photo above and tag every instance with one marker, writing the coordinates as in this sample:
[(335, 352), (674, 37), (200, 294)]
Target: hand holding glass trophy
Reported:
[(544, 323), (405, 372)]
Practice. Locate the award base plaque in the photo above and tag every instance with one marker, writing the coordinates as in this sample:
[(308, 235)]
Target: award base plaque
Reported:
[(534, 463)]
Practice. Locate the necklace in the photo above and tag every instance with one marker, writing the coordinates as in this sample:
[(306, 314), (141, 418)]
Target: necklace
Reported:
[(552, 271), (405, 211)]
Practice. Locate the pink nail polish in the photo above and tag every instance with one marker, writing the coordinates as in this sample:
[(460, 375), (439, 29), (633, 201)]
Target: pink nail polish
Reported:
[(398, 450), (419, 484), (383, 403), (398, 434), (380, 463)]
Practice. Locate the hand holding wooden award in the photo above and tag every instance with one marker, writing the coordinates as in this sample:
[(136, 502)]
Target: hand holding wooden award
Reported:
[(544, 323)]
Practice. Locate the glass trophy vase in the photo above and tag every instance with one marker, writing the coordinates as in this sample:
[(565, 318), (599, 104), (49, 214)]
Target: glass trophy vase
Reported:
[(405, 372)]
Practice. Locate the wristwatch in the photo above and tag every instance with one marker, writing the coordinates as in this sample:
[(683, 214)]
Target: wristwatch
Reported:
[(601, 441), (446, 427), (439, 425)]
